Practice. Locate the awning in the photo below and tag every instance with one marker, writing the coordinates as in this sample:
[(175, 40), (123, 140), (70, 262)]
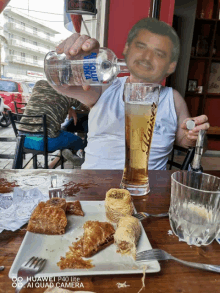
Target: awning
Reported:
[(3, 4)]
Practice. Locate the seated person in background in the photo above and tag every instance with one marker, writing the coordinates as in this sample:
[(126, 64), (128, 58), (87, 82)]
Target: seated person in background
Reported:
[(151, 53), (45, 100), (77, 123), (79, 120)]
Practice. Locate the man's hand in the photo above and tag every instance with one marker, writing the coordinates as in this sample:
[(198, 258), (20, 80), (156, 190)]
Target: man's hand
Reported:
[(72, 114), (75, 44), (201, 122)]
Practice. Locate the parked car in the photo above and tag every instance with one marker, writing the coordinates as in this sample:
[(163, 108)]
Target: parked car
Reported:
[(4, 116), (31, 86), (11, 91)]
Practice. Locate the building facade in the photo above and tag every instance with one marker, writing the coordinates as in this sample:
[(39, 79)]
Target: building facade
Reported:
[(24, 44)]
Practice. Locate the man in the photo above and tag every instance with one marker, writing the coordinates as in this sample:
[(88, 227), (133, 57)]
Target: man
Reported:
[(151, 53), (45, 100)]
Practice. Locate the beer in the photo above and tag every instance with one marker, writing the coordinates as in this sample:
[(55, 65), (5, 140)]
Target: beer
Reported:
[(139, 126), (141, 100)]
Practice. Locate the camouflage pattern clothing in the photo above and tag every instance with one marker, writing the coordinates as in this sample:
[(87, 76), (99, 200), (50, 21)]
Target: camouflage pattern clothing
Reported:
[(45, 100)]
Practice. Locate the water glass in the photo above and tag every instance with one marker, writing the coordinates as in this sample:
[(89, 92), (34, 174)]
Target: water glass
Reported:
[(195, 207)]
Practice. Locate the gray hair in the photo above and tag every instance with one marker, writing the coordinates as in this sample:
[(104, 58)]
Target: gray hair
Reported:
[(157, 27)]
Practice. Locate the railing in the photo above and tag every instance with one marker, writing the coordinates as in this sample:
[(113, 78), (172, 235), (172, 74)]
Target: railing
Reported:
[(29, 31), (25, 60), (28, 46)]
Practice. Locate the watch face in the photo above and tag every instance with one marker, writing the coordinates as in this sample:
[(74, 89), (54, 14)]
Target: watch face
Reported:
[(190, 124)]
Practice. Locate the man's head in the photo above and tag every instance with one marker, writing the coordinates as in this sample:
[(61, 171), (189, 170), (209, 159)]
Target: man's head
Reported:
[(151, 50)]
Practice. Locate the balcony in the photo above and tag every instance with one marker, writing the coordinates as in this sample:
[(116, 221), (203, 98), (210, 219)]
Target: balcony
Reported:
[(25, 61), (28, 47), (26, 30)]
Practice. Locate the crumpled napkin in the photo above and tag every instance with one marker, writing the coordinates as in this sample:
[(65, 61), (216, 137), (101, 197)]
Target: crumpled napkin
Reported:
[(17, 207)]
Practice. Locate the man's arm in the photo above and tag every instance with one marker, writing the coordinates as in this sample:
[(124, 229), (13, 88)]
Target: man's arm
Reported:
[(184, 137), (72, 114), (88, 97)]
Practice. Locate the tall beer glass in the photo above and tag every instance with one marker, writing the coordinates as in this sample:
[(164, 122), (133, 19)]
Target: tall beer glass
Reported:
[(141, 101)]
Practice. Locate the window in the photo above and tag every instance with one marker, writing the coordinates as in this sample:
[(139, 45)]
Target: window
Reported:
[(11, 36), (11, 52), (35, 30), (22, 56), (35, 59), (48, 36), (8, 86), (23, 40), (23, 25), (35, 43)]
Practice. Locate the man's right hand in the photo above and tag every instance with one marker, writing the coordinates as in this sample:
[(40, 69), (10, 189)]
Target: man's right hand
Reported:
[(76, 43)]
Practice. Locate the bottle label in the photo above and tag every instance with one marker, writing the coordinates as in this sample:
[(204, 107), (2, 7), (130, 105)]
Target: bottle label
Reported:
[(89, 67)]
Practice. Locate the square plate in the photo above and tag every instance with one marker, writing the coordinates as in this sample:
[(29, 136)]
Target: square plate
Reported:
[(52, 247)]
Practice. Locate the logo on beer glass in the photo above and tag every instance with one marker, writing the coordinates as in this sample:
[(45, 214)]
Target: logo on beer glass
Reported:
[(146, 139)]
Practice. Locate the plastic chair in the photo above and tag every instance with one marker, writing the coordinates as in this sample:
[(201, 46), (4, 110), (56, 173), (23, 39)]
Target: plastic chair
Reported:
[(187, 160), (15, 119)]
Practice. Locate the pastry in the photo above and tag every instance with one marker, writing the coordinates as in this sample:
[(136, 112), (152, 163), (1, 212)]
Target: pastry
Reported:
[(97, 235), (127, 235), (57, 202), (118, 203), (47, 219), (74, 208), (73, 258)]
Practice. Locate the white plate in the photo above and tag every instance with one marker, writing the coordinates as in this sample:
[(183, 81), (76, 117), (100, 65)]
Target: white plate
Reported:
[(52, 247)]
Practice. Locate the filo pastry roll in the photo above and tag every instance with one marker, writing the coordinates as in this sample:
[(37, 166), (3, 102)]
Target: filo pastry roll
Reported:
[(118, 203), (127, 235)]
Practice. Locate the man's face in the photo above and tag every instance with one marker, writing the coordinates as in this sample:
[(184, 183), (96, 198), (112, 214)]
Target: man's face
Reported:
[(148, 57)]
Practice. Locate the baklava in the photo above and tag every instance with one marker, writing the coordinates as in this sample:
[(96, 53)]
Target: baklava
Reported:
[(127, 235), (45, 219), (118, 203), (74, 208)]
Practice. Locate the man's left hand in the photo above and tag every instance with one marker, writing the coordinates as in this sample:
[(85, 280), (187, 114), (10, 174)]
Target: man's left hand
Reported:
[(201, 122)]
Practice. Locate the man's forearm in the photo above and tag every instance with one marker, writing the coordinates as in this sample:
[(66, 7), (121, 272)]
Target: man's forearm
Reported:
[(88, 98), (185, 142)]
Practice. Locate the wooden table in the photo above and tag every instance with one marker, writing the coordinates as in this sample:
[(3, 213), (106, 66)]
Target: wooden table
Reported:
[(173, 276)]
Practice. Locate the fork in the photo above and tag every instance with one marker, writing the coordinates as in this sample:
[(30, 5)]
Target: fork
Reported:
[(159, 254), (53, 190), (29, 269), (142, 215)]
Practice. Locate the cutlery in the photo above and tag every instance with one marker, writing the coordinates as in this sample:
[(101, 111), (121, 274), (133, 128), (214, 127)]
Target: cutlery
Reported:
[(158, 254), (54, 191), (142, 215), (29, 269)]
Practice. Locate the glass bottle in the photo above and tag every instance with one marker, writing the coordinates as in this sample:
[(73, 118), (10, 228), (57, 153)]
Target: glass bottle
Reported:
[(196, 163), (98, 67)]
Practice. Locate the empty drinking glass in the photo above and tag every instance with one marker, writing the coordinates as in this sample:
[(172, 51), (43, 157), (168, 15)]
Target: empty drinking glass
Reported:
[(195, 207)]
